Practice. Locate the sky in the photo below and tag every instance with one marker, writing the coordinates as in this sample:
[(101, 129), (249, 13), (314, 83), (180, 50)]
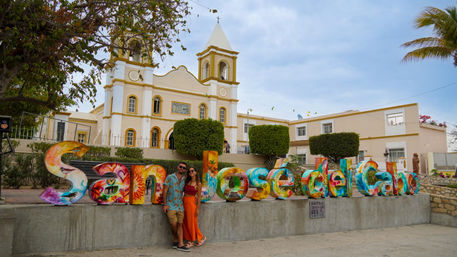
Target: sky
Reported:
[(317, 57)]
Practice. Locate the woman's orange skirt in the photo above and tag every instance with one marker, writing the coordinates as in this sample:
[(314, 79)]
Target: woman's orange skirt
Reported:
[(190, 224)]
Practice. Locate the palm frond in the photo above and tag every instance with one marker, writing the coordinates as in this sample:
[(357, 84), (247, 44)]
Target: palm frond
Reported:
[(424, 42), (439, 52)]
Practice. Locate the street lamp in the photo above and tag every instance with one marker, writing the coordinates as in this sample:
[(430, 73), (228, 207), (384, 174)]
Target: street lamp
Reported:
[(386, 155), (247, 127)]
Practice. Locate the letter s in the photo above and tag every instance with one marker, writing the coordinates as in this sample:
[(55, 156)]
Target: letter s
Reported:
[(55, 166)]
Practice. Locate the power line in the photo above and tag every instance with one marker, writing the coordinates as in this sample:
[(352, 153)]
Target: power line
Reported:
[(419, 94)]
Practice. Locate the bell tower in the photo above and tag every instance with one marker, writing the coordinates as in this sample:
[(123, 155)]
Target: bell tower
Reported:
[(217, 69), (218, 60)]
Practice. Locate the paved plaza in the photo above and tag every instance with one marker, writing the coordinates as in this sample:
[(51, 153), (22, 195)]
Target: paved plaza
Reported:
[(417, 240)]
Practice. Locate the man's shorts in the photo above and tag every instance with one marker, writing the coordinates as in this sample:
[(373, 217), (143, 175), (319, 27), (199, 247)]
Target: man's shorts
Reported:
[(175, 216)]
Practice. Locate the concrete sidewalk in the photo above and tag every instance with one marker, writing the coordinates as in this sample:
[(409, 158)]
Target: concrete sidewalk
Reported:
[(417, 240)]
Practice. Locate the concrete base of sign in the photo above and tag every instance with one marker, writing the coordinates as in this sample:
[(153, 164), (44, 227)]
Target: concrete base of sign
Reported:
[(47, 228)]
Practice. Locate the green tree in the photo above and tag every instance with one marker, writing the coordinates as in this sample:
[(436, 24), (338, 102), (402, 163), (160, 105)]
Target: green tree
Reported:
[(269, 140), (48, 44), (444, 44), (193, 136), (335, 146)]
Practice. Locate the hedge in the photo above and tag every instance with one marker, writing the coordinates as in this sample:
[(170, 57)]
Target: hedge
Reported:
[(335, 146), (269, 140), (193, 136)]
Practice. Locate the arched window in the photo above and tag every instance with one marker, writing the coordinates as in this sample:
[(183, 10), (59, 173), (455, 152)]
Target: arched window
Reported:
[(132, 104), (206, 70), (130, 137), (171, 142), (222, 114), (135, 52), (157, 102), (202, 111), (155, 137), (223, 71)]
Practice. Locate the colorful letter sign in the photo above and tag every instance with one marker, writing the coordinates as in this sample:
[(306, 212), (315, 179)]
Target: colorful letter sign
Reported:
[(138, 185), (55, 165), (258, 179), (230, 184), (235, 192), (209, 175), (120, 185)]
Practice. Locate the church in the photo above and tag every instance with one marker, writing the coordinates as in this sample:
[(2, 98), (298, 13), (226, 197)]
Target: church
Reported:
[(141, 108)]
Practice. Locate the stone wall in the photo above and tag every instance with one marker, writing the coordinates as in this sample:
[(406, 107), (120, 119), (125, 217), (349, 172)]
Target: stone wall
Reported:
[(443, 204), (439, 190), (436, 180)]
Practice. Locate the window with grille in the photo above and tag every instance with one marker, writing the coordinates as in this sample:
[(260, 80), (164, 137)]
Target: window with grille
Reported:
[(247, 126), (301, 131), (155, 138), (301, 159), (81, 137), (202, 111), (130, 138), (156, 105), (395, 119), (222, 115), (327, 128), (396, 153), (132, 102)]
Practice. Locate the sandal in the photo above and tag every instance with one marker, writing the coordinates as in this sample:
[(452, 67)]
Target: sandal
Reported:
[(189, 244), (201, 242)]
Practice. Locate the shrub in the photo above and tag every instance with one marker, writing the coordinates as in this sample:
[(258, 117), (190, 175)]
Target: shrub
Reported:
[(99, 151), (335, 146), (193, 136), (269, 140), (129, 152)]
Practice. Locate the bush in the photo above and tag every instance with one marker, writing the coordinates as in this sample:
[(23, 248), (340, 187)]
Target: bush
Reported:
[(193, 136), (335, 146), (129, 152), (269, 140), (42, 176), (100, 151), (13, 176)]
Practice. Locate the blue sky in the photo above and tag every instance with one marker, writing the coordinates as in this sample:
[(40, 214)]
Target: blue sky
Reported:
[(322, 56)]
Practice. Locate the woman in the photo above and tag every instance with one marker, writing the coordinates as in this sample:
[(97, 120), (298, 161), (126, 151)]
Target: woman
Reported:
[(191, 200)]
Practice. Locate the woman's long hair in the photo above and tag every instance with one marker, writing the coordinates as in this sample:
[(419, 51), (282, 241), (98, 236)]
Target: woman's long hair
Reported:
[(189, 178)]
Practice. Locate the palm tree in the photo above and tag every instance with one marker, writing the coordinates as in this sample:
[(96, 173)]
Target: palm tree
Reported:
[(444, 44)]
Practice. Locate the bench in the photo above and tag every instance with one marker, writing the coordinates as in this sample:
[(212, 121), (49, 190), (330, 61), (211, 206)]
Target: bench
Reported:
[(87, 168)]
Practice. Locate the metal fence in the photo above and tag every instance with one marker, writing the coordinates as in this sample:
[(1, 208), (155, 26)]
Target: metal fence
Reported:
[(445, 161)]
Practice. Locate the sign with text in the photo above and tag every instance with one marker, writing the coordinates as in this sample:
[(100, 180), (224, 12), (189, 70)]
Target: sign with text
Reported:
[(316, 208)]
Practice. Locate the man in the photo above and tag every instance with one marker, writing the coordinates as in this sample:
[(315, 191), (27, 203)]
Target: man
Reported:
[(173, 205), (416, 163)]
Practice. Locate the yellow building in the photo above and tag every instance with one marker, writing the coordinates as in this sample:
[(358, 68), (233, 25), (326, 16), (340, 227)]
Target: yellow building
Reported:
[(141, 108)]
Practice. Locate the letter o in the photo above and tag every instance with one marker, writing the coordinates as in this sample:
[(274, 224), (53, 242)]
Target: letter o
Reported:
[(238, 191)]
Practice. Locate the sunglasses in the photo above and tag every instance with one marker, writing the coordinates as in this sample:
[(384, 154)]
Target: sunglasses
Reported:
[(192, 171), (182, 167)]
